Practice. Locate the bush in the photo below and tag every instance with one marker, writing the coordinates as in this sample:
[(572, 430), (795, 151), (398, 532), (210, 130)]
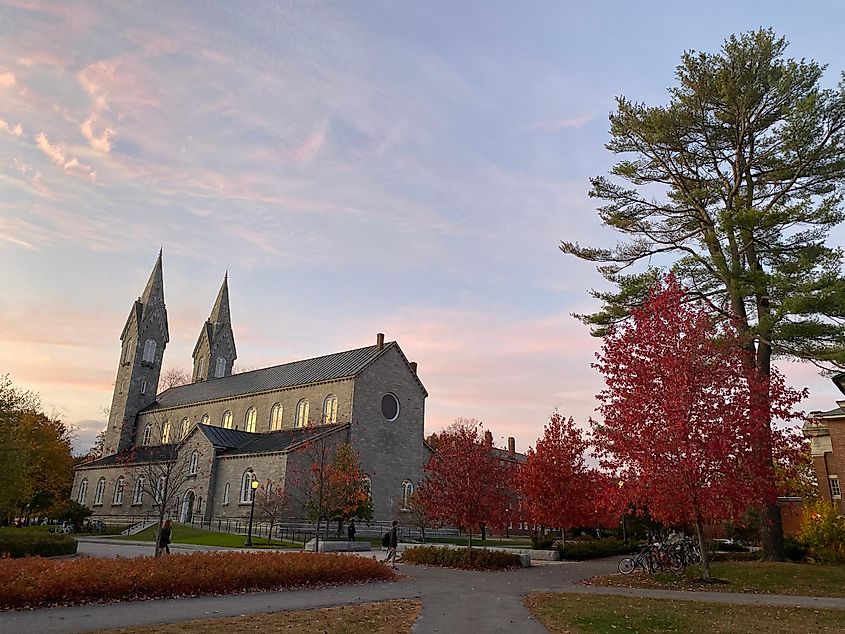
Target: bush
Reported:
[(462, 558), (37, 582), (729, 547), (823, 530), (20, 542), (609, 547), (795, 550), (73, 512), (542, 542)]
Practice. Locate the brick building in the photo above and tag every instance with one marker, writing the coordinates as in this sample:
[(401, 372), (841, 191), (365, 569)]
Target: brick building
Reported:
[(826, 431), (233, 428)]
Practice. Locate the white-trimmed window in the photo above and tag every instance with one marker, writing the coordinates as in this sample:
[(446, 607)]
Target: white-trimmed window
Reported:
[(246, 486), (138, 492), (407, 492), (148, 434), (200, 367), (204, 419), (143, 387), (127, 350), (182, 431), (227, 419), (83, 491), (302, 413), (99, 492), (195, 462), (119, 485), (198, 507), (162, 484), (835, 489), (220, 368), (330, 409), (149, 351), (226, 494), (276, 417), (368, 486), (165, 433), (249, 419)]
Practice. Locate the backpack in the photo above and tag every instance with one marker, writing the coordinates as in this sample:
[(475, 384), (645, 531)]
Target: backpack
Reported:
[(385, 541)]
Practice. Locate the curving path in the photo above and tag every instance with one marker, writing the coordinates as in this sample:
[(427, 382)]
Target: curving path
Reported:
[(453, 601)]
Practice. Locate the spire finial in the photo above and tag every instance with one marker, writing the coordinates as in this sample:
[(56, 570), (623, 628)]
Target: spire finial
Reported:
[(160, 250)]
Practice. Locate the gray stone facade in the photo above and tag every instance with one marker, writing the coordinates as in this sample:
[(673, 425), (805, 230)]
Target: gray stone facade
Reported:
[(229, 421)]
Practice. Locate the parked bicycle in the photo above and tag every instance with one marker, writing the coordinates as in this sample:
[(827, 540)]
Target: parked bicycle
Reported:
[(655, 558)]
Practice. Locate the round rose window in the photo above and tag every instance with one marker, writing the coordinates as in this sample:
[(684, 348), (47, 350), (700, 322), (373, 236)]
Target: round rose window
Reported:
[(390, 406)]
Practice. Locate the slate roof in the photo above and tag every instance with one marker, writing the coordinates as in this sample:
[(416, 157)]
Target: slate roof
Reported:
[(138, 455), (235, 442), (339, 365), (829, 413)]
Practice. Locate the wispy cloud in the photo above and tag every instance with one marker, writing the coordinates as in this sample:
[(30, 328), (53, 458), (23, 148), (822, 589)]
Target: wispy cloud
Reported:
[(7, 79), (16, 130), (555, 125), (101, 142)]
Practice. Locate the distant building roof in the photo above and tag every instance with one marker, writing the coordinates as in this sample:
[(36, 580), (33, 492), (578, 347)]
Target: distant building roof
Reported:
[(235, 442), (831, 413), (332, 367)]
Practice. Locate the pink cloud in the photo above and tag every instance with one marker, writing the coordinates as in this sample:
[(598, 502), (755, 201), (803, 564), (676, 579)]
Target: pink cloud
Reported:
[(553, 125)]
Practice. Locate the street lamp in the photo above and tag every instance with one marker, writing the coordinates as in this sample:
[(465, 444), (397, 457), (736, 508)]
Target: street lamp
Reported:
[(248, 543)]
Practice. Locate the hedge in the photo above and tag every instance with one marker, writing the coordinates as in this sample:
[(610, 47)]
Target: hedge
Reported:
[(17, 542), (461, 558), (38, 582), (597, 548)]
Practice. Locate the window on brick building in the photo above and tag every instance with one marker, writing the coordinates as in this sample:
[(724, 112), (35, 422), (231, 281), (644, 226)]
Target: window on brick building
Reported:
[(195, 462), (227, 419), (99, 491), (118, 490), (148, 434), (330, 409), (220, 370), (205, 419), (835, 490), (407, 492), (226, 494), (249, 419), (127, 351), (83, 491), (138, 493), (276, 417), (165, 433), (149, 351), (302, 413), (246, 486)]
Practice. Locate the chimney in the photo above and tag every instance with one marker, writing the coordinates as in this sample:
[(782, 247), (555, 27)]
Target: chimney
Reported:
[(413, 367), (488, 438), (511, 446), (379, 341)]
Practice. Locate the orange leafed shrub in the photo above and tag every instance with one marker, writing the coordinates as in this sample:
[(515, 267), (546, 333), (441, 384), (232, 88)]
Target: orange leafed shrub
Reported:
[(38, 582)]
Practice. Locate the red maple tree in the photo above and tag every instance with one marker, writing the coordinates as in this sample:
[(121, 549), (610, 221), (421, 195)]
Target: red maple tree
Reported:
[(557, 488), (682, 415), (466, 484)]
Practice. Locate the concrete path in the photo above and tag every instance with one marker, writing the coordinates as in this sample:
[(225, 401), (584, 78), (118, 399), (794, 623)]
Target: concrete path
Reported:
[(453, 600)]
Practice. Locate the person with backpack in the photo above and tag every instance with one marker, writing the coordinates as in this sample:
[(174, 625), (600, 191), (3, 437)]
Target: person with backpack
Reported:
[(351, 530), (391, 541)]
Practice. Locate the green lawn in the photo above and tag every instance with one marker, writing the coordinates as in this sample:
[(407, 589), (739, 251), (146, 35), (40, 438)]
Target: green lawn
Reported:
[(190, 535), (592, 614), (744, 576)]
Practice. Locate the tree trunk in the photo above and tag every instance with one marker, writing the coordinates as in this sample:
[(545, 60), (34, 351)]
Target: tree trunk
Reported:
[(422, 534), (469, 533), (702, 545), (317, 538), (158, 535)]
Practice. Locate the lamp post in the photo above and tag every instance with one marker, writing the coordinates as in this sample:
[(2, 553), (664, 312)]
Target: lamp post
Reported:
[(248, 544)]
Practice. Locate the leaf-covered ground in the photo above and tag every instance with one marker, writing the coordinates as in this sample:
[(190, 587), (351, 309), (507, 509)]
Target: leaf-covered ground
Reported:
[(387, 617), (595, 614), (759, 577)]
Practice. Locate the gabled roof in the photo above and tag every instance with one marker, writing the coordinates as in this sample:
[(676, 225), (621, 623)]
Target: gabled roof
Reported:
[(340, 365), (273, 441)]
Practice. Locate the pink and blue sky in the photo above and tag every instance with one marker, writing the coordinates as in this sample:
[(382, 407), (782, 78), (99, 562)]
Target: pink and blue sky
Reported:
[(358, 167)]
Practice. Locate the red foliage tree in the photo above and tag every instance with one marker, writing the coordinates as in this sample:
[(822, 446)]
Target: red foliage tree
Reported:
[(682, 415), (556, 486), (466, 484)]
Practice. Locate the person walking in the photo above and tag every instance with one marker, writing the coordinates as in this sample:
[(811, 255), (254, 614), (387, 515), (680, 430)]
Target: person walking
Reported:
[(391, 541), (351, 530), (164, 537)]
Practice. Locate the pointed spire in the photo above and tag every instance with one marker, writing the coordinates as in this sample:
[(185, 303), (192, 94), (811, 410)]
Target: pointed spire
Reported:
[(220, 312), (154, 291)]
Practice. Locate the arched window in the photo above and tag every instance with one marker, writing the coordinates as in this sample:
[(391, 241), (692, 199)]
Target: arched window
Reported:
[(330, 409), (150, 351), (99, 491), (200, 367), (220, 369), (276, 417), (407, 492), (183, 428), (368, 486), (165, 433), (198, 508), (227, 419), (162, 483), (302, 413), (123, 385), (195, 462), (205, 419), (138, 493), (148, 434), (226, 494), (246, 486), (249, 419), (127, 350), (118, 490), (83, 491)]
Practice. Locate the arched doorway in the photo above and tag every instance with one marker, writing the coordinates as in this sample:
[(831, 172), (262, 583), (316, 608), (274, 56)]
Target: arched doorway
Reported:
[(187, 507)]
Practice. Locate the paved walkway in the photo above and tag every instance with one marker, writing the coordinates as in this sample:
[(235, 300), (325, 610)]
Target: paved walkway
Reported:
[(453, 601)]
